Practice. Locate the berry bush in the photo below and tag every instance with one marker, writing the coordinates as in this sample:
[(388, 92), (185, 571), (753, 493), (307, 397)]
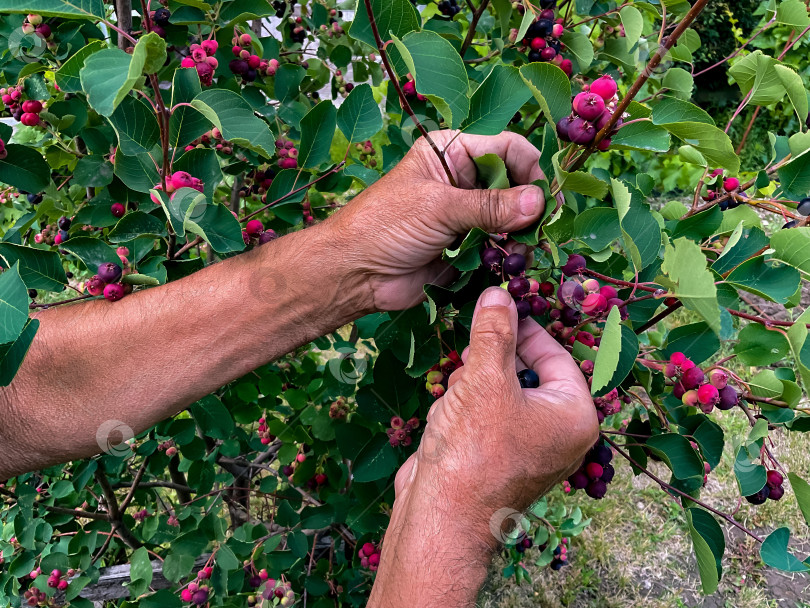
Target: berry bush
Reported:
[(139, 144)]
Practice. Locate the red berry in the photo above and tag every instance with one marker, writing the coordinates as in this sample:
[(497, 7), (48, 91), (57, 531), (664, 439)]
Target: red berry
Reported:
[(567, 67), (589, 106), (594, 470), (254, 227), (708, 394), (537, 44), (731, 183), (693, 377), (29, 119), (605, 87), (117, 209), (775, 478), (113, 292)]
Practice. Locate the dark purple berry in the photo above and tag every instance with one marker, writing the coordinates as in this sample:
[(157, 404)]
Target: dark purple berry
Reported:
[(692, 378), (539, 305), (607, 473), (518, 287), (524, 309), (528, 378), (578, 480), (760, 497), (596, 489), (64, 223), (492, 258), (109, 272), (571, 293), (728, 398), (776, 492), (575, 264), (514, 264)]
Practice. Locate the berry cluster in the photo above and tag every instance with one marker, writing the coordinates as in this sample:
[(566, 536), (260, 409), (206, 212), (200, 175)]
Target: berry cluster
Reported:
[(592, 109), (339, 409), (693, 389), (595, 472), (367, 153), (214, 136), (542, 39), (202, 58), (249, 65), (264, 434), (53, 234), (141, 515), (255, 233), (182, 179), (195, 594), (34, 24), (449, 8), (730, 185), (399, 433), (608, 404), (279, 590), (560, 556), (287, 154), (108, 282), (160, 21), (525, 291), (369, 555), (772, 489), (439, 374), (27, 112), (334, 29), (168, 447), (35, 597), (343, 87), (257, 182)]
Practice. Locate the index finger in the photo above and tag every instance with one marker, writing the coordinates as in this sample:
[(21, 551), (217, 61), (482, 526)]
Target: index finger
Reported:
[(547, 357)]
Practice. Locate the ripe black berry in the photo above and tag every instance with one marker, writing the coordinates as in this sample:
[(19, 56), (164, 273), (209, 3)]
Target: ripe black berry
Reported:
[(576, 263), (790, 224), (109, 272), (161, 17), (528, 378), (491, 258), (518, 287), (514, 264), (524, 309), (596, 489), (34, 199), (32, 293), (760, 497), (804, 207), (64, 223)]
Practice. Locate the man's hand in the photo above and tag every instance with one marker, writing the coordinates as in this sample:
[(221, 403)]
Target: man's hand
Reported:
[(489, 445), (394, 232)]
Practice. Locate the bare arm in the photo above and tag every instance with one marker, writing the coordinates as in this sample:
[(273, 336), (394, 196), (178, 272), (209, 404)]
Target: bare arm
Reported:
[(153, 353)]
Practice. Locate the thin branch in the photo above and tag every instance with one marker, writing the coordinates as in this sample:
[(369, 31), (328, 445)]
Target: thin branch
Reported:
[(473, 24)]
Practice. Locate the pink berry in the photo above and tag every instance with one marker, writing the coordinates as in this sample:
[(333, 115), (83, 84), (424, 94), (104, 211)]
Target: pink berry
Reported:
[(730, 184), (187, 62), (537, 44), (677, 358), (718, 378), (210, 46), (557, 30), (185, 595), (594, 303), (605, 87), (113, 292), (567, 67), (707, 394), (181, 179), (117, 209), (368, 549), (62, 585), (29, 119), (254, 227), (245, 39), (301, 458), (589, 106)]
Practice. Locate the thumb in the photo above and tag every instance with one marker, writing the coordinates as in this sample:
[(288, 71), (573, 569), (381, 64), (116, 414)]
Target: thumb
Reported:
[(493, 337), (493, 210)]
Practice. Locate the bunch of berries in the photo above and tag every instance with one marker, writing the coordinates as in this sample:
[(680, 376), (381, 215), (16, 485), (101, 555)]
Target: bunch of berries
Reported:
[(214, 136), (339, 409), (439, 374), (512, 271), (50, 235), (399, 433), (279, 590), (730, 185), (692, 387), (168, 447), (334, 29), (34, 24), (296, 29), (608, 404), (257, 182), (306, 212), (369, 555), (58, 580), (255, 233), (195, 594), (107, 282), (343, 87), (160, 21), (542, 40), (264, 434), (182, 179), (560, 556), (449, 8), (772, 489), (287, 154), (367, 153), (202, 58), (595, 472), (592, 110), (7, 194), (26, 111), (248, 65), (141, 515)]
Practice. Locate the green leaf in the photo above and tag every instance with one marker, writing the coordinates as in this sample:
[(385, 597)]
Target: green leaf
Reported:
[(136, 125), (93, 171), (797, 336), (213, 417), (217, 226), (802, 491), (359, 115), (39, 269), (597, 227), (13, 304), (795, 89), (492, 171), (711, 142), (71, 9), (794, 177), (774, 552), (679, 81), (707, 564), (92, 251), (235, 119), (25, 169), (439, 73), (640, 231), (393, 17), (766, 384), (607, 357), (690, 281), (317, 130), (750, 475), (793, 13), (551, 89), (633, 24), (14, 356), (496, 100), (180, 206), (766, 278), (138, 172), (793, 247), (136, 224), (67, 76), (186, 124), (742, 244), (579, 181), (671, 109), (697, 341), (140, 573), (641, 136), (581, 49), (759, 345), (108, 75), (678, 454), (375, 461), (153, 49)]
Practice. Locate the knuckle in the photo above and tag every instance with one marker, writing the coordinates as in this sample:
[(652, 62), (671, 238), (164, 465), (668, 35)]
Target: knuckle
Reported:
[(494, 327), (487, 206)]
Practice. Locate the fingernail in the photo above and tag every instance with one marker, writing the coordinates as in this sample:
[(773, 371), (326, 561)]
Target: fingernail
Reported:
[(530, 201), (495, 296)]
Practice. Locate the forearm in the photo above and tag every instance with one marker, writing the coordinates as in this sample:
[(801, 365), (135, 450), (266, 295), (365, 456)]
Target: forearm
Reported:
[(434, 554), (153, 353)]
